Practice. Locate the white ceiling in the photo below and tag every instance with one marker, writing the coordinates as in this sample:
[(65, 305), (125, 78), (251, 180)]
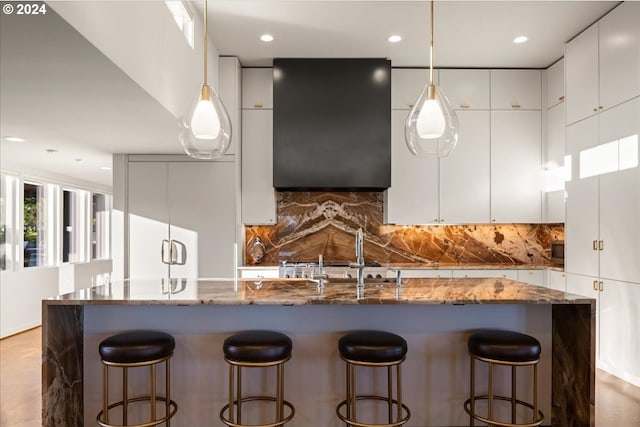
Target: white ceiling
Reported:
[(58, 91)]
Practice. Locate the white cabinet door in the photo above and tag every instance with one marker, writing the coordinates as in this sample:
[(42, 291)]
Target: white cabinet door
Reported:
[(466, 89), (557, 280), (620, 199), (406, 86), (619, 334), (257, 88), (516, 89), (515, 167), (481, 273), (554, 206), (202, 217), (465, 198), (619, 37), (230, 94), (555, 84), (581, 71), (587, 286), (258, 195), (581, 228), (432, 273), (148, 219), (532, 277), (253, 273), (413, 195)]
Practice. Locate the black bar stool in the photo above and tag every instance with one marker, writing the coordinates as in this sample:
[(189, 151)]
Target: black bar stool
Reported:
[(514, 349), (376, 349), (255, 349), (131, 350)]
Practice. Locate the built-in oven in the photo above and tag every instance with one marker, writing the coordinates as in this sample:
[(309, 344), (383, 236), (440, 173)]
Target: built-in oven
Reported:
[(557, 252)]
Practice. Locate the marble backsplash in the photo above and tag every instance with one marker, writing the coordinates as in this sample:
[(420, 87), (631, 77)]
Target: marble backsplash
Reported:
[(312, 223)]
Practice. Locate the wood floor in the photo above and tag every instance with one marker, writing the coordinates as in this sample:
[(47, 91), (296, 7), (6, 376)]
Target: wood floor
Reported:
[(618, 402)]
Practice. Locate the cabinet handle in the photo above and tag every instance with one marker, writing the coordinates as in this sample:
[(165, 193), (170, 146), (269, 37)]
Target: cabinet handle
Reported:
[(410, 105), (601, 288), (258, 105), (515, 105), (561, 98), (464, 106), (595, 109), (595, 285), (600, 107), (493, 220), (435, 220), (441, 220), (600, 245), (595, 245)]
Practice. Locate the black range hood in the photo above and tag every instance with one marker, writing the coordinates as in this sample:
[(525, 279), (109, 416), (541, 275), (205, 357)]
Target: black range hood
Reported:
[(332, 124)]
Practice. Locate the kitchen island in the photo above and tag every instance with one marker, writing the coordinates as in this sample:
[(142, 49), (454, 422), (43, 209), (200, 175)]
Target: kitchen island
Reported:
[(435, 316)]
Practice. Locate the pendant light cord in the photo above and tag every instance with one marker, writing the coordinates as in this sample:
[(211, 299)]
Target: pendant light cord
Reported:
[(206, 14), (431, 48)]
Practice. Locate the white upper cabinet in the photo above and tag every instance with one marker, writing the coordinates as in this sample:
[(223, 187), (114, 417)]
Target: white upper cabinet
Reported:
[(230, 89), (581, 62), (619, 37), (406, 86), (257, 88), (516, 89), (555, 147), (258, 195), (555, 84), (466, 89), (413, 196), (464, 174), (515, 166)]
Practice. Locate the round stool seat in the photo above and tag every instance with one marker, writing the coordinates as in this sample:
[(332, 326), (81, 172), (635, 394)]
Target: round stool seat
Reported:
[(372, 347), (505, 346), (257, 347), (136, 347)]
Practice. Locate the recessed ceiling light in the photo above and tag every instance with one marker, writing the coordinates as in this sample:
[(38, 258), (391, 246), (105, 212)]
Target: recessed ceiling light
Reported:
[(13, 139), (394, 38), (105, 168), (51, 150), (79, 160), (266, 38), (520, 39)]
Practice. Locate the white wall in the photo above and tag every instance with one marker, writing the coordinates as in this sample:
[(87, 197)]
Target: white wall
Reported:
[(143, 39), (21, 293)]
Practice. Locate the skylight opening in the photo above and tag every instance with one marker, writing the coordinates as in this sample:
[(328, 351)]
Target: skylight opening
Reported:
[(183, 18)]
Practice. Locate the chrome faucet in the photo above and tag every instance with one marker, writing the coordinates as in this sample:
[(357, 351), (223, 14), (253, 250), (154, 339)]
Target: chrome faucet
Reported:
[(320, 276), (359, 264)]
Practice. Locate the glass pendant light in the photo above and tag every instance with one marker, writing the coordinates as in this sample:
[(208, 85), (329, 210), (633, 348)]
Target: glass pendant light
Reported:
[(205, 132), (431, 130)]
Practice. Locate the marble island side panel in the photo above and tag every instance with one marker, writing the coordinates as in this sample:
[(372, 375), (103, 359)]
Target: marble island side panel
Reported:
[(569, 318)]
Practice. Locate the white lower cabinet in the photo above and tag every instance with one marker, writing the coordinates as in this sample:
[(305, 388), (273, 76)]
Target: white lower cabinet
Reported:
[(516, 195), (532, 277), (617, 320), (556, 280), (427, 273), (181, 221), (488, 273), (259, 273)]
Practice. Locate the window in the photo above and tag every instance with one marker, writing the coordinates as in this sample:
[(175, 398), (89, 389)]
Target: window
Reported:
[(75, 218), (183, 19), (8, 222), (35, 240), (100, 226)]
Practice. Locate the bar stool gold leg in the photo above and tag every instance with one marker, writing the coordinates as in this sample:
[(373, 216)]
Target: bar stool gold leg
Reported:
[(153, 392), (472, 391), (513, 394), (167, 373), (279, 394), (353, 391), (535, 391), (389, 395), (239, 394), (399, 391), (125, 397), (105, 393), (490, 402)]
